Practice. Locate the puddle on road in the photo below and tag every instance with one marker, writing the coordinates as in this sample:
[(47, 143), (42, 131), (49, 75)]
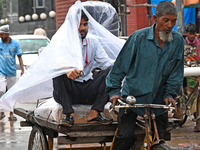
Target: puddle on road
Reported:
[(7, 141)]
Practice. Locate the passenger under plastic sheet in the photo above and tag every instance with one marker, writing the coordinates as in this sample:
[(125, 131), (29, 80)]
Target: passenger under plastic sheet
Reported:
[(54, 59)]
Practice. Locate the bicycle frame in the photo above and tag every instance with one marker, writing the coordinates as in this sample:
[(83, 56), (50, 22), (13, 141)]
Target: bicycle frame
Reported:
[(149, 117)]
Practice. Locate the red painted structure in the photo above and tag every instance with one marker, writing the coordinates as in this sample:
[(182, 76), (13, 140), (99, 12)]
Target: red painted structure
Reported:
[(137, 18), (62, 7)]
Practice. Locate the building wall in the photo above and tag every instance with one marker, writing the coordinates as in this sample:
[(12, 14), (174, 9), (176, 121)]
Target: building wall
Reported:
[(62, 8), (13, 13), (137, 19)]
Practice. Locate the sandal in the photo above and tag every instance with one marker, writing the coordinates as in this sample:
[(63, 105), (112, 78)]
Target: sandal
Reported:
[(196, 129), (12, 118), (2, 116)]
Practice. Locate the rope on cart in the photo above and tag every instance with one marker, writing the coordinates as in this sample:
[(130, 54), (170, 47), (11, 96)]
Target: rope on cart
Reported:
[(48, 118), (32, 114), (29, 114), (36, 120)]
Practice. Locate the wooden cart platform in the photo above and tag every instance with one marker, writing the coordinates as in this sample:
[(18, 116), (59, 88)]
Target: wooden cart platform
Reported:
[(79, 133)]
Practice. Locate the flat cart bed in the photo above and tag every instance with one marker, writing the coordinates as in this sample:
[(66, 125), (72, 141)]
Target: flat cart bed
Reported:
[(79, 133)]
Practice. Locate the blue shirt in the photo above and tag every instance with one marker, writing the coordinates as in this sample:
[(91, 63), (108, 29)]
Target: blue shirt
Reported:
[(7, 57), (151, 73), (96, 57)]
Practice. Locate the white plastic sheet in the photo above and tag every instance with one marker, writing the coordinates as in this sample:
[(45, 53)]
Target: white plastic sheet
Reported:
[(60, 56), (105, 14), (51, 110)]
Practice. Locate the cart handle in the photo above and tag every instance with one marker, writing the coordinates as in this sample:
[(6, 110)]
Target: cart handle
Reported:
[(131, 100)]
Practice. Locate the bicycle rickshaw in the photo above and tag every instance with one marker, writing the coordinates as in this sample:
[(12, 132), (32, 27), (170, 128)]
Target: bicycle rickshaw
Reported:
[(44, 130)]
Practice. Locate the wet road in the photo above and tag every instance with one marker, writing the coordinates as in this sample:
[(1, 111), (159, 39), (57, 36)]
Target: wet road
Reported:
[(185, 138), (12, 136)]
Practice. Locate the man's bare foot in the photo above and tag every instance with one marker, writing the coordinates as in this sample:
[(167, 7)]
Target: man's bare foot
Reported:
[(96, 117), (92, 114)]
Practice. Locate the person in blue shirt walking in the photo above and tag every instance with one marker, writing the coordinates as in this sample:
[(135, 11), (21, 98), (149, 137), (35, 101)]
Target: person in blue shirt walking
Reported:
[(152, 66), (9, 48)]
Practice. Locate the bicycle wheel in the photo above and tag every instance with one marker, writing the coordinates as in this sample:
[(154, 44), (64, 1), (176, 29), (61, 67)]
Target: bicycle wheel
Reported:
[(37, 139), (160, 147)]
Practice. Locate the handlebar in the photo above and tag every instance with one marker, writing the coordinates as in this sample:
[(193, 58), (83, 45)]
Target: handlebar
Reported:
[(125, 105), (131, 104)]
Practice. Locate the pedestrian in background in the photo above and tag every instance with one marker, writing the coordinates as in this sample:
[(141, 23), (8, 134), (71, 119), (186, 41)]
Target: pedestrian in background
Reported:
[(190, 52), (9, 48), (40, 31)]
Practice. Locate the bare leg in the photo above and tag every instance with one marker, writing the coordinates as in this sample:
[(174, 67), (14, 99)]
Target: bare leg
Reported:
[(2, 115), (12, 117)]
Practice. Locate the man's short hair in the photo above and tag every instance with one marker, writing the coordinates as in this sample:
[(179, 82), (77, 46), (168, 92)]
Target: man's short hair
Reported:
[(84, 16), (191, 27), (166, 7)]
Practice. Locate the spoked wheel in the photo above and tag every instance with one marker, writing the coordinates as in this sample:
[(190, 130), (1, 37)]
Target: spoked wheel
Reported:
[(160, 147), (37, 139)]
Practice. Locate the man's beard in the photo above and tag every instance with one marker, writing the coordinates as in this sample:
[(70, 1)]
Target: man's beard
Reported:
[(4, 39), (82, 37), (165, 37)]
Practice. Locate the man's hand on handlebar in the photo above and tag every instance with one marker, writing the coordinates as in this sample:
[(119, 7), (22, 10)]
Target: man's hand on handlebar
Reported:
[(169, 100), (114, 101), (73, 74)]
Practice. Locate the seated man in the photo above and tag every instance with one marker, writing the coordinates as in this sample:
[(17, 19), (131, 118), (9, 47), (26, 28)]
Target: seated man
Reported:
[(79, 87)]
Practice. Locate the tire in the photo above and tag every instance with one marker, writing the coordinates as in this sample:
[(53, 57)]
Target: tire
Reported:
[(183, 121), (160, 147), (37, 139)]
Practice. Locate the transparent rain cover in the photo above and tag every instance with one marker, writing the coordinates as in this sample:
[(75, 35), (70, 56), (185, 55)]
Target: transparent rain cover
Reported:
[(60, 56), (105, 14)]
